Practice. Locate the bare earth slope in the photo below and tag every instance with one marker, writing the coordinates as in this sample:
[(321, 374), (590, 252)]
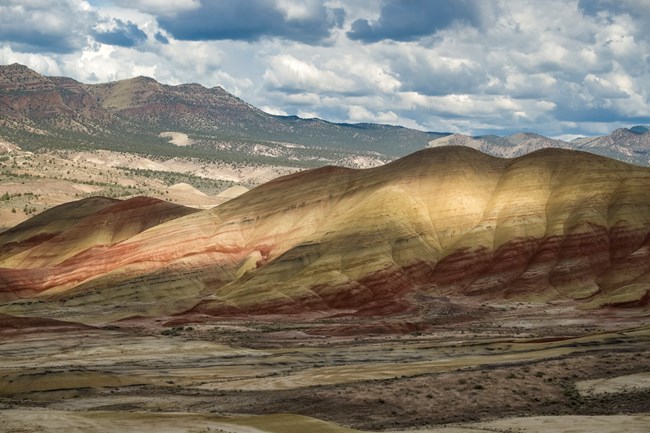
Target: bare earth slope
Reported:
[(49, 224), (83, 228), (552, 225)]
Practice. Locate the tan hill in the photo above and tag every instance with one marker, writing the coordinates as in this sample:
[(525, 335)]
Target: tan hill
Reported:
[(554, 225), (187, 106), (75, 231), (49, 224), (105, 227)]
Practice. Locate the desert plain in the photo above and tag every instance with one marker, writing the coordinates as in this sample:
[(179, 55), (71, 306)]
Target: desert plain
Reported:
[(520, 367)]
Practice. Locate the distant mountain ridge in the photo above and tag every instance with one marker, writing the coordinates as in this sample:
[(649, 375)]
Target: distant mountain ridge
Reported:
[(130, 115), (629, 145), (505, 147)]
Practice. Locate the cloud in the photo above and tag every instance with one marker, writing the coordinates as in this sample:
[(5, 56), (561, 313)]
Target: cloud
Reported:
[(614, 7), (608, 11), (431, 72), (613, 87), (308, 21), (370, 74), (410, 20), (123, 34), (524, 86), (160, 7), (56, 26), (43, 63), (292, 75), (274, 110), (358, 113)]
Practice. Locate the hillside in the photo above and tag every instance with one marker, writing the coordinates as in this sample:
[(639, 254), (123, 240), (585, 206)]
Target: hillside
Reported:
[(134, 115), (31, 183), (554, 225)]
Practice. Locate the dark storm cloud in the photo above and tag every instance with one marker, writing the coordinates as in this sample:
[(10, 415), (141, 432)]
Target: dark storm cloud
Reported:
[(410, 20), (251, 20), (124, 34), (56, 26)]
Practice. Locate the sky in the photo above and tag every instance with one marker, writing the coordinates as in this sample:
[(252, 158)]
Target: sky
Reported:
[(560, 68)]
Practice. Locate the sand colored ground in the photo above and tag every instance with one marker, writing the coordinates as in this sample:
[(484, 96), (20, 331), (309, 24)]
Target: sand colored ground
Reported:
[(570, 424), (97, 358), (437, 360), (25, 421), (50, 421), (177, 138), (37, 182), (154, 375), (618, 384)]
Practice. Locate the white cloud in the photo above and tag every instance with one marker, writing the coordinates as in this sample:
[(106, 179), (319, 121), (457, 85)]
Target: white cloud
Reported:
[(307, 114), (303, 99), (601, 87), (368, 74), (163, 7), (236, 86), (358, 113), (273, 110), (567, 137), (44, 63), (298, 9), (289, 73), (529, 86), (56, 26)]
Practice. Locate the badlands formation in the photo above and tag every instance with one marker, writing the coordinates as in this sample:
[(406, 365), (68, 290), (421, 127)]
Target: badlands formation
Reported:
[(554, 225), (446, 291)]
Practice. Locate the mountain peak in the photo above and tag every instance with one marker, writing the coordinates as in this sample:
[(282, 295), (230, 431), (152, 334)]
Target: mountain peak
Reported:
[(15, 67), (20, 77)]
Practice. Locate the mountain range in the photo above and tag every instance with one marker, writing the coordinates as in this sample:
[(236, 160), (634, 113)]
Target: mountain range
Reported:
[(553, 226), (134, 115), (140, 115), (630, 145)]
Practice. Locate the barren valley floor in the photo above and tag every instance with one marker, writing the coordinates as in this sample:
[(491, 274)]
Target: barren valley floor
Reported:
[(510, 367)]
